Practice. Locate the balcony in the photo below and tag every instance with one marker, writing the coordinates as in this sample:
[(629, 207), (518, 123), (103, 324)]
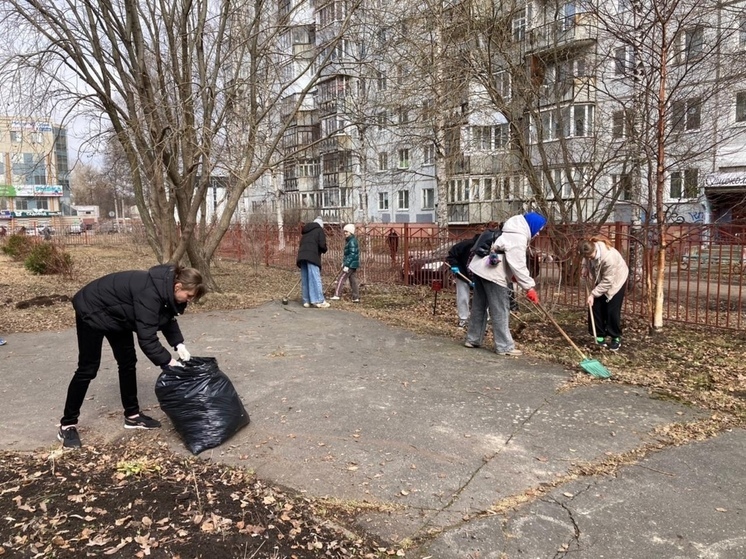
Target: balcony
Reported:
[(570, 32)]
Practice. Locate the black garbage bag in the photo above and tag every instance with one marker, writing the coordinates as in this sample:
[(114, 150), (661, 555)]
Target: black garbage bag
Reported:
[(201, 402)]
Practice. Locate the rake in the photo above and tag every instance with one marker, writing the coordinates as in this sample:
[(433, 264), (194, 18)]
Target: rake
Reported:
[(591, 366)]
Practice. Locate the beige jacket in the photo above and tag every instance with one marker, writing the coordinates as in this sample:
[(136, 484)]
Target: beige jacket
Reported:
[(608, 270)]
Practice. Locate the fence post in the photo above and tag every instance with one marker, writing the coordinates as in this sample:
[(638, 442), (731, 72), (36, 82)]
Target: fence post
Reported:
[(405, 252)]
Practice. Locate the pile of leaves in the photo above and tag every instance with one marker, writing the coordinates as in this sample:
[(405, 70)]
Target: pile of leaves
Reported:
[(137, 499)]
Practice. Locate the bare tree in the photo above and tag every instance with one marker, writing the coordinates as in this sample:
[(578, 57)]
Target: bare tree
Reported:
[(682, 65), (191, 89)]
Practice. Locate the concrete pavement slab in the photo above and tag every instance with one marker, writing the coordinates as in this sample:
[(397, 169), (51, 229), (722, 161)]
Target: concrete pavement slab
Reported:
[(424, 432), (680, 503)]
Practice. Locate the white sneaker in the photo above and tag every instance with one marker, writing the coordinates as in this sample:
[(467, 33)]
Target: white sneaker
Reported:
[(335, 298), (322, 305), (307, 305), (512, 353)]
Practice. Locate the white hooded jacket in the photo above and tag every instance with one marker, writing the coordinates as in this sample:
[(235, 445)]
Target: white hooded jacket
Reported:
[(511, 247)]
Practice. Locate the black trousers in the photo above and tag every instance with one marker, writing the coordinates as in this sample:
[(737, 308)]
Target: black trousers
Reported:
[(90, 342), (608, 315)]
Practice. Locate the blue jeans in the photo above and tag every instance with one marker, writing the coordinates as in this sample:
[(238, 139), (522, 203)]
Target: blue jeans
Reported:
[(310, 283), (496, 298)]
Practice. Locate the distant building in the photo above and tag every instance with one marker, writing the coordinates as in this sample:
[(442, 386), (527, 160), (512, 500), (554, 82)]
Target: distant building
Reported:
[(34, 173)]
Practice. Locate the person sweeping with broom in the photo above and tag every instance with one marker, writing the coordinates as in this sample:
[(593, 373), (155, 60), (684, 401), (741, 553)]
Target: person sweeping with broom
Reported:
[(606, 268)]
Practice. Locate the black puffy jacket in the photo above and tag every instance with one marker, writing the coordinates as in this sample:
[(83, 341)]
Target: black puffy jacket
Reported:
[(136, 301), (312, 244)]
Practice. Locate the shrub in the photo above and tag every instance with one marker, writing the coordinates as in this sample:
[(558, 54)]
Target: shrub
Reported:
[(18, 247), (46, 259)]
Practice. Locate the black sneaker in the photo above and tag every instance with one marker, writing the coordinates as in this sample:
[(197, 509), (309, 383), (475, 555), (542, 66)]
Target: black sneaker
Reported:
[(462, 324), (69, 437), (141, 421), (615, 344)]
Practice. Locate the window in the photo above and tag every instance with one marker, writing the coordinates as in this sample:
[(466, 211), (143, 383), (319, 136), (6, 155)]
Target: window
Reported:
[(402, 200), (15, 136), (686, 114), (381, 81), (429, 154), (487, 138), (382, 118), (28, 168), (624, 6), (741, 106), (502, 84), (624, 60), (621, 123), (481, 137), (22, 204), (458, 190), (331, 197), (742, 34), (686, 184), (578, 121), (693, 44), (502, 135), (428, 198), (403, 116), (622, 186), (521, 22), (383, 200), (403, 159), (487, 189), (383, 162)]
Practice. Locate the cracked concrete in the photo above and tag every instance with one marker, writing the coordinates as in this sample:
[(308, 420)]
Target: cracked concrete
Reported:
[(432, 434)]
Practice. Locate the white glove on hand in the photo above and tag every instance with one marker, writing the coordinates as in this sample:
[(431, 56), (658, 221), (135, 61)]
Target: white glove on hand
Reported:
[(184, 355), (346, 269), (175, 363)]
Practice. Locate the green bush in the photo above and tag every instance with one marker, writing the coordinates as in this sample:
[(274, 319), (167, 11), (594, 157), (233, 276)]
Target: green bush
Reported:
[(46, 259), (18, 247)]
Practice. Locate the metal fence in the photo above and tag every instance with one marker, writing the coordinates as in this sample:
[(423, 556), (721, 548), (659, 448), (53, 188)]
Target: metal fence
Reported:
[(703, 281), (703, 269)]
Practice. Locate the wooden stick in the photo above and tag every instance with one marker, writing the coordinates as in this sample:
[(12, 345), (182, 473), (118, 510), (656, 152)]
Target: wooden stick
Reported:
[(561, 331)]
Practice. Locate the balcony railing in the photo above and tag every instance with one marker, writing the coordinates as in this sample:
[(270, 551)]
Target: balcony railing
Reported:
[(562, 32)]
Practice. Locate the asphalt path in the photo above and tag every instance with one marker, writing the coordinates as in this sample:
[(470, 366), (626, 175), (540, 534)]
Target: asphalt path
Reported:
[(456, 452)]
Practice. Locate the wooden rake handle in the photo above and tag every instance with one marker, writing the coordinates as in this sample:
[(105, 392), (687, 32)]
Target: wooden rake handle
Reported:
[(561, 331), (590, 310)]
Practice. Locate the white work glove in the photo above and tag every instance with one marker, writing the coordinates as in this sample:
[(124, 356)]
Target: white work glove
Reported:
[(175, 363), (345, 269), (184, 355)]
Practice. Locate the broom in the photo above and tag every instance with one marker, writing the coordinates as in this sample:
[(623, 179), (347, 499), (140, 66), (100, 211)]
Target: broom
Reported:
[(591, 366)]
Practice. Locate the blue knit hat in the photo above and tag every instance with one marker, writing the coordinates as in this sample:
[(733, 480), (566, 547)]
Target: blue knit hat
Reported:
[(536, 222)]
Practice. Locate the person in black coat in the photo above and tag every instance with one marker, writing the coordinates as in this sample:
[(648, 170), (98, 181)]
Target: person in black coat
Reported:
[(312, 246), (115, 306), (458, 259)]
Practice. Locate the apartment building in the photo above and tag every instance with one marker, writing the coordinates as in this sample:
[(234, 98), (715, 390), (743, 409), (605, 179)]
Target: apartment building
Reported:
[(34, 174), (534, 105)]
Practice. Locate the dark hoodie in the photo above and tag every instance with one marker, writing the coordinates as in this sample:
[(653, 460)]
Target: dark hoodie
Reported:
[(312, 244), (136, 301)]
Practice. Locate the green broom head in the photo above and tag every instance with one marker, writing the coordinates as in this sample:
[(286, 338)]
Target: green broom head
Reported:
[(594, 368)]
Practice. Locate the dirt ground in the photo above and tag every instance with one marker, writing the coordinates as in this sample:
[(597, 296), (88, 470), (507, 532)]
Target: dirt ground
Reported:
[(86, 503)]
